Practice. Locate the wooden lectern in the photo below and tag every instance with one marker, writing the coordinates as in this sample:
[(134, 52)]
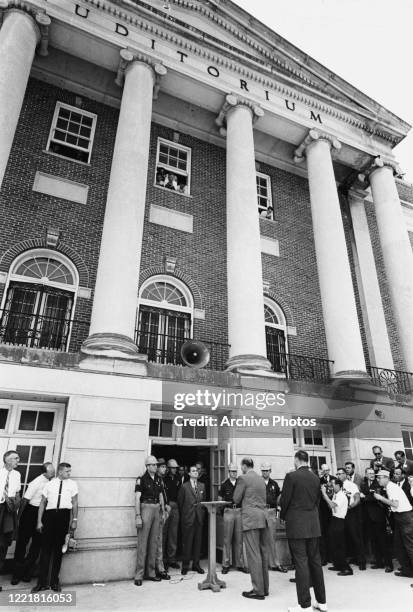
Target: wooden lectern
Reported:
[(211, 581)]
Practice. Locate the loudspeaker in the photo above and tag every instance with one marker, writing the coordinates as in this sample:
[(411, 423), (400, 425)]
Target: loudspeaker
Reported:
[(195, 354)]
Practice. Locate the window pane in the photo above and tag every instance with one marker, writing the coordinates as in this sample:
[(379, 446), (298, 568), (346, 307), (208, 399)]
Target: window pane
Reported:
[(23, 452), (34, 472), (3, 417), (38, 453), (201, 432), (166, 428), (187, 431), (294, 436), (317, 437), (153, 427), (45, 421), (27, 420), (308, 436), (406, 439)]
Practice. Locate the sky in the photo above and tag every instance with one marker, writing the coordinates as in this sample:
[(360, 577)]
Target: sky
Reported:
[(369, 43)]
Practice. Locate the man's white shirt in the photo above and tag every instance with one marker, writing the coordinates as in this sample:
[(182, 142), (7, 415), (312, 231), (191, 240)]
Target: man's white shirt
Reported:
[(340, 510), (351, 488), (34, 490), (14, 484), (51, 493), (396, 493)]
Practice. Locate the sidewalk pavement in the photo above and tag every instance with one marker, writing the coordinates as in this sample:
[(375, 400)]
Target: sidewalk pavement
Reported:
[(368, 591)]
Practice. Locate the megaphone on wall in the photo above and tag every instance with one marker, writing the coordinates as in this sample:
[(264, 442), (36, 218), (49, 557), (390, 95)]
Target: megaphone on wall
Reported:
[(195, 354)]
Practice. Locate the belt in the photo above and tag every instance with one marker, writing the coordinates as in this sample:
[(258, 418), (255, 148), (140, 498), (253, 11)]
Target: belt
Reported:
[(150, 501)]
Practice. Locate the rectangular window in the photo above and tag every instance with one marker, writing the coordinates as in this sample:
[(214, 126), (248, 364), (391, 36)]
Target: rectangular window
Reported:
[(173, 166), (264, 199), (408, 443), (161, 428), (72, 132)]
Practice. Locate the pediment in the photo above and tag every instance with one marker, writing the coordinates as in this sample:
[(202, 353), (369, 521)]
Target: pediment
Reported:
[(230, 31)]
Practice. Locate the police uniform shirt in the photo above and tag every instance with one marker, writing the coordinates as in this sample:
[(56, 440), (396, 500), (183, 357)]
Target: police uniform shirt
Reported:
[(35, 489), (149, 488), (273, 491), (340, 510), (172, 485), (226, 491), (395, 493), (13, 483), (351, 488), (67, 492)]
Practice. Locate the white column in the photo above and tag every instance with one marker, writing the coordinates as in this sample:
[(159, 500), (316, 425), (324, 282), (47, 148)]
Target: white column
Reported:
[(368, 284), (397, 252), (19, 36), (334, 276), (112, 326), (246, 326)]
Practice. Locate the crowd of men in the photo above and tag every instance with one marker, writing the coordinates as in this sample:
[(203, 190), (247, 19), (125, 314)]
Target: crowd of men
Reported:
[(41, 521), (339, 519)]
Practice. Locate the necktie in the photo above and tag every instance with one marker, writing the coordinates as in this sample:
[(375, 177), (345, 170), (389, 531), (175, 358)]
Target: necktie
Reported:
[(6, 486), (58, 497)]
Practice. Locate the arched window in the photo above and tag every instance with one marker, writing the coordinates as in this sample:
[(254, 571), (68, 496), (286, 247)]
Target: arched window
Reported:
[(275, 335), (39, 299), (164, 319)]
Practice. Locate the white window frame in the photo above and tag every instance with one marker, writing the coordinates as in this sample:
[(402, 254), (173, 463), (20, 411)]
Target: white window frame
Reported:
[(186, 173), (80, 111), (261, 208), (176, 438)]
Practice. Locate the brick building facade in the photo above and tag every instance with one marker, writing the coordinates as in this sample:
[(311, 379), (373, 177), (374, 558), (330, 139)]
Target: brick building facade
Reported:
[(81, 200)]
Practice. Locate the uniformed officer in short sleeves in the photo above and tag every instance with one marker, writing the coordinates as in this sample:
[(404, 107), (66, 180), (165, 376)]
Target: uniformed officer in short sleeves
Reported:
[(60, 499), (148, 504), (232, 548), (273, 493)]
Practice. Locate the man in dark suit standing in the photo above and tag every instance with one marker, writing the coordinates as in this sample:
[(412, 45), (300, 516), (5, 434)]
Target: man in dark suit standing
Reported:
[(402, 462), (379, 462), (190, 495), (299, 509), (250, 492)]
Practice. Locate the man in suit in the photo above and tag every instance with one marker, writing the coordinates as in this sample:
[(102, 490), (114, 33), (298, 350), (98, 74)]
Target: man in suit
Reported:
[(349, 468), (375, 523), (402, 462), (299, 509), (250, 492), (190, 495), (400, 478), (379, 462)]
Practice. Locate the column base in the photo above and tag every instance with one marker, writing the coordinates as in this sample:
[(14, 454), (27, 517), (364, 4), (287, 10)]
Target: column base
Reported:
[(253, 365), (112, 346), (353, 376)]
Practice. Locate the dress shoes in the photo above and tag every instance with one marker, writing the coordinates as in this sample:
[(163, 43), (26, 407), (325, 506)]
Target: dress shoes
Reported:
[(15, 580), (377, 567), (153, 578), (279, 568), (174, 565), (163, 575), (293, 580), (388, 569), (362, 567), (403, 574), (225, 570), (138, 583), (198, 569), (39, 587), (243, 569), (347, 572), (184, 571), (27, 578), (56, 587), (252, 595), (333, 569)]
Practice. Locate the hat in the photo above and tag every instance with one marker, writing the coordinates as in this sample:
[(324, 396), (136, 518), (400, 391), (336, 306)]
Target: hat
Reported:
[(150, 459), (172, 463), (233, 467), (383, 473), (265, 466), (161, 461)]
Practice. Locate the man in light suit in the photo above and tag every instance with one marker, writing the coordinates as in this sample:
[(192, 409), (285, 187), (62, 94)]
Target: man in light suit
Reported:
[(250, 492), (299, 509), (190, 494)]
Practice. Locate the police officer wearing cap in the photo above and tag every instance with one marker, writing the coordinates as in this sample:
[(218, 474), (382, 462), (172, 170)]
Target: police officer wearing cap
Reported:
[(273, 493), (164, 512), (232, 524), (172, 483), (148, 504)]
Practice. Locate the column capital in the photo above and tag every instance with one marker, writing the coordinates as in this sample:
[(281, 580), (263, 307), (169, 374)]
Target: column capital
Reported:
[(39, 19), (376, 164), (312, 137), (231, 101), (128, 56)]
